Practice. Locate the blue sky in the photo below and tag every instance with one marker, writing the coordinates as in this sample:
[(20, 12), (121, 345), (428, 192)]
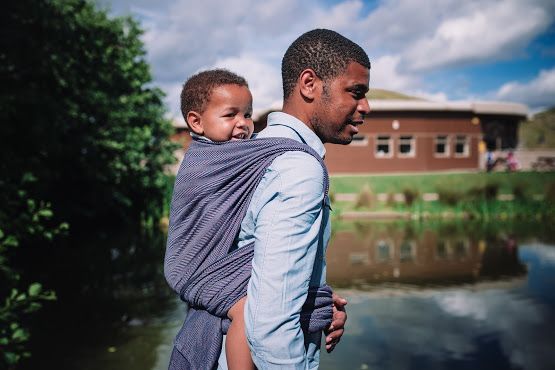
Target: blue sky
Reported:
[(435, 49)]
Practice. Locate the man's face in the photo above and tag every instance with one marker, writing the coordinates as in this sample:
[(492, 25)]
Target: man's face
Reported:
[(342, 106)]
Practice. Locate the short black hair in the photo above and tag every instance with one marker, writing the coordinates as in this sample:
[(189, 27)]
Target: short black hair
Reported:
[(326, 52), (198, 88)]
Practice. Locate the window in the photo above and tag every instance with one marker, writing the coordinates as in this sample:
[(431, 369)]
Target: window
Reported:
[(406, 146), (461, 146), (407, 251), (442, 146), (359, 140), (358, 258), (383, 251), (461, 249), (383, 146), (442, 249)]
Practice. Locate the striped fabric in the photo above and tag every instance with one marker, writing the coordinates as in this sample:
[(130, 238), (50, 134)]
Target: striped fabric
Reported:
[(212, 191)]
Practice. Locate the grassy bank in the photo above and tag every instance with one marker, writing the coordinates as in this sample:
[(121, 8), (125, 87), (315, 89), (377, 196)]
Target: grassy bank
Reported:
[(533, 182), (498, 195)]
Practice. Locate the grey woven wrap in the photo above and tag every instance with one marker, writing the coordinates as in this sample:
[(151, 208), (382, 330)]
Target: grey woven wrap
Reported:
[(212, 192)]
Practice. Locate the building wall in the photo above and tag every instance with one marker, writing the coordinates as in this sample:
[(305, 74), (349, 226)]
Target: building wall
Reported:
[(424, 127)]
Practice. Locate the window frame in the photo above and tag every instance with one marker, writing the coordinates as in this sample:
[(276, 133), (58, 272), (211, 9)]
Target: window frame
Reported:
[(466, 152), (363, 142), (412, 143), (389, 143), (447, 145)]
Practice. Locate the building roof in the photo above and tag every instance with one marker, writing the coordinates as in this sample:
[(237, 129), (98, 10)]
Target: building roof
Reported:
[(476, 107)]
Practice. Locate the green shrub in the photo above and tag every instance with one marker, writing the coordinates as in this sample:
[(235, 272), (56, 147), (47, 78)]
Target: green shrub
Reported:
[(519, 191), (550, 193), (331, 194), (365, 198), (491, 190), (410, 195), (488, 192), (449, 196), (390, 200)]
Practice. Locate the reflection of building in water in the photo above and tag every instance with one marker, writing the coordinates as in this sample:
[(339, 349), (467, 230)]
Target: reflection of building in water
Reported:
[(393, 255)]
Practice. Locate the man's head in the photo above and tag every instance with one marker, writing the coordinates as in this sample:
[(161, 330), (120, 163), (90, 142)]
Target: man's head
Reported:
[(325, 79), (218, 104)]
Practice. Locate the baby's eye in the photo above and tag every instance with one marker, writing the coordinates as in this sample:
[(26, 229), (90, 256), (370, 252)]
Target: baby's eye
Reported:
[(230, 114)]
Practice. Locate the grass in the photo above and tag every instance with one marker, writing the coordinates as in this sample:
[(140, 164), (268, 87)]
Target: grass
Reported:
[(532, 182), (463, 195)]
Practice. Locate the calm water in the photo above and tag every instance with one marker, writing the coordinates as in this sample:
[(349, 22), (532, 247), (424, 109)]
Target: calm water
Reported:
[(433, 296)]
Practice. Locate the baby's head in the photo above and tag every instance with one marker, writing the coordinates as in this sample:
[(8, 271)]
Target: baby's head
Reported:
[(218, 105)]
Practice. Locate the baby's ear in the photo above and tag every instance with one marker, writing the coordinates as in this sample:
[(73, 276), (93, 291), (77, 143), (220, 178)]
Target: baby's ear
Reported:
[(194, 122)]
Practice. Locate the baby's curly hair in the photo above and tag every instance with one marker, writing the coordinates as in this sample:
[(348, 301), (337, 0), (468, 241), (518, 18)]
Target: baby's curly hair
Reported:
[(198, 88), (326, 52)]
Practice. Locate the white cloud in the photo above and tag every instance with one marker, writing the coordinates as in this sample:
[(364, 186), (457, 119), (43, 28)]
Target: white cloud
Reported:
[(537, 93), (385, 74), (488, 31), (264, 80), (400, 36)]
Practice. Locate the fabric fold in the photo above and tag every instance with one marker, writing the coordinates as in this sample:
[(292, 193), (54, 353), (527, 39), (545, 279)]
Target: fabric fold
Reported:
[(212, 192)]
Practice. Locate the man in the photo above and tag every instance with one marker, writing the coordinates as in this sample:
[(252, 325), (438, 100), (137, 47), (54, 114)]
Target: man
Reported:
[(325, 80)]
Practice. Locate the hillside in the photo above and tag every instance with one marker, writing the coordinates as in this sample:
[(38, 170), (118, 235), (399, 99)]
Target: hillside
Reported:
[(380, 94), (539, 132)]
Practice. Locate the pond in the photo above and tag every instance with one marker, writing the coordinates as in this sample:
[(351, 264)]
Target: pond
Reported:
[(421, 295)]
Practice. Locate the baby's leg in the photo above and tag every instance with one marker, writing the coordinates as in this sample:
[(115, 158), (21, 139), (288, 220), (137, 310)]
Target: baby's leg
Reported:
[(236, 348)]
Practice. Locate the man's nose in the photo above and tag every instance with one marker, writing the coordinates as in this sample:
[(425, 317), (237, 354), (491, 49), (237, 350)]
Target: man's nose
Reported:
[(363, 106)]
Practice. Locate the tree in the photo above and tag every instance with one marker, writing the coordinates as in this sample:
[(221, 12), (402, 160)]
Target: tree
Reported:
[(80, 114), (539, 132), (84, 140)]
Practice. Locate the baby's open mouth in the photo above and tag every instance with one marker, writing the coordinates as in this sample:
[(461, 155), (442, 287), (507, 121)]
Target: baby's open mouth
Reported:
[(240, 136)]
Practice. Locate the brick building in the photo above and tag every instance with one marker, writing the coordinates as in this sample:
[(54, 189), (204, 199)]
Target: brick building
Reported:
[(417, 135)]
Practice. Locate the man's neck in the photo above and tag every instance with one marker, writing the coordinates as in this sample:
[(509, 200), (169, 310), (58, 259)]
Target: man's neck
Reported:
[(297, 111)]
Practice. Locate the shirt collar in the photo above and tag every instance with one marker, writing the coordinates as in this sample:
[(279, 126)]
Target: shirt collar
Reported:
[(280, 118)]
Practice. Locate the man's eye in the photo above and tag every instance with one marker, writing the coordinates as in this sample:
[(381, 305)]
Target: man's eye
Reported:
[(358, 94), (248, 115)]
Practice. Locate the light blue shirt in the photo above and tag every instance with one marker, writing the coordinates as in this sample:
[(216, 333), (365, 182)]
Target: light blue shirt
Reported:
[(288, 219)]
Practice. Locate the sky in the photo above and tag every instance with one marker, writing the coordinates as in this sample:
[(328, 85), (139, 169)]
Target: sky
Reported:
[(502, 50)]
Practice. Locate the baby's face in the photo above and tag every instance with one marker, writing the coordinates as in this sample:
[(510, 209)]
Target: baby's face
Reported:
[(228, 114)]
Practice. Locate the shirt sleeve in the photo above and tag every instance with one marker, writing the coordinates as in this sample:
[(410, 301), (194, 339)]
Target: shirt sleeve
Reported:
[(288, 215)]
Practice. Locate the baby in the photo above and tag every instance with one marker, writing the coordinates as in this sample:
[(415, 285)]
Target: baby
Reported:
[(217, 105)]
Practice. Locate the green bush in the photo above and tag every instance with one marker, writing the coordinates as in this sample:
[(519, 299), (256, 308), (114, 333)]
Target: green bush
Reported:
[(365, 198), (519, 191), (390, 200), (550, 193), (491, 190), (449, 196), (25, 222), (410, 195)]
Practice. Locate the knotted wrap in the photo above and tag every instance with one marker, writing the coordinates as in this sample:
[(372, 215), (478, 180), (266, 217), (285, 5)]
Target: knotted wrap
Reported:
[(212, 192)]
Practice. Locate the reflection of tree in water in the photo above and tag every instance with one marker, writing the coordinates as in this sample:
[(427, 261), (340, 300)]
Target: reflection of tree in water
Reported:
[(105, 287)]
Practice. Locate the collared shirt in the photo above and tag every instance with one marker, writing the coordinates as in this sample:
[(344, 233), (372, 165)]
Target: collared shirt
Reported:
[(288, 219)]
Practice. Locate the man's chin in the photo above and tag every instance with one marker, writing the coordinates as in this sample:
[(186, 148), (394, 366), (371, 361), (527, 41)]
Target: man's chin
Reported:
[(345, 140)]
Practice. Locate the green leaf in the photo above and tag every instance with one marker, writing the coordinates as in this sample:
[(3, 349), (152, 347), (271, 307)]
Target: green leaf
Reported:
[(46, 213), (20, 335), (35, 289)]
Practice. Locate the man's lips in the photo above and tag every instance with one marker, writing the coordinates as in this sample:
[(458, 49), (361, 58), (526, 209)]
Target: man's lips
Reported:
[(354, 125)]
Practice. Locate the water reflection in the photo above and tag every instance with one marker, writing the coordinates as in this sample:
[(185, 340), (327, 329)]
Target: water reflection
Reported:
[(400, 253), (443, 297), (438, 296)]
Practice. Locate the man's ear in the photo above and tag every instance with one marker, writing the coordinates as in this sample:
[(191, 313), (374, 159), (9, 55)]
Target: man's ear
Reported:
[(194, 122), (309, 84)]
